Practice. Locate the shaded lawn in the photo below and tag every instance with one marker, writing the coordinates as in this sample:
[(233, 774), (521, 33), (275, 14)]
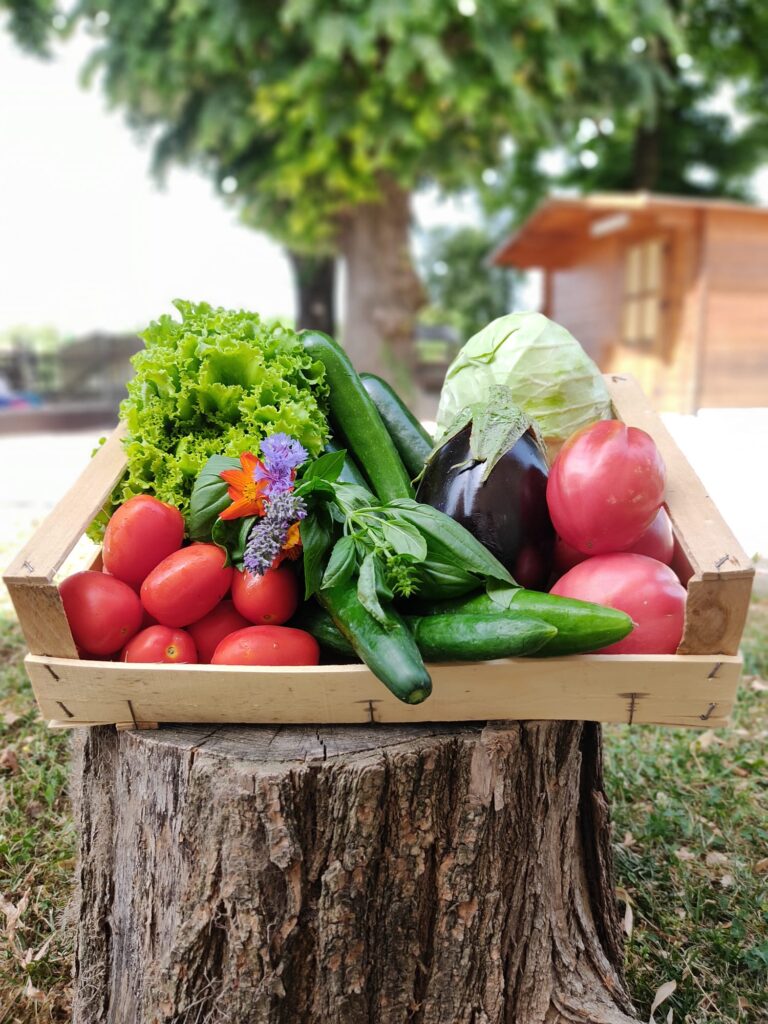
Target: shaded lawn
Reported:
[(691, 843)]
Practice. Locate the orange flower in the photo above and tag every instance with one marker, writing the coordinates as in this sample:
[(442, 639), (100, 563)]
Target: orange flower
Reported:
[(291, 548), (246, 493)]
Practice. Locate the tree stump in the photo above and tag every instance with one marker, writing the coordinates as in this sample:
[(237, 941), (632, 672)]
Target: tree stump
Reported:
[(355, 875)]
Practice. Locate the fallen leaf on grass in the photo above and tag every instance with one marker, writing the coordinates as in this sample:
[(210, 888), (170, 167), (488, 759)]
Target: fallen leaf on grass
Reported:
[(741, 772), (9, 762), (761, 868), (11, 718), (715, 859), (628, 840), (704, 741), (684, 854), (629, 921), (663, 992), (13, 913), (33, 994), (759, 686), (727, 881)]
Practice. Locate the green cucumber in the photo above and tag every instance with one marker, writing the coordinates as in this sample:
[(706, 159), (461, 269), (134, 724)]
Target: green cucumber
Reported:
[(358, 420), (479, 637), (391, 654), (581, 626), (350, 474), (412, 441), (449, 637)]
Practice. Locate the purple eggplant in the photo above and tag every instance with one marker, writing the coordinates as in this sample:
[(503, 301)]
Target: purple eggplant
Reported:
[(503, 503)]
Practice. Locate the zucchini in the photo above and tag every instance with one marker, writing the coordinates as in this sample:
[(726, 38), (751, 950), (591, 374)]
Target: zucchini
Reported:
[(412, 441), (391, 654), (581, 626), (350, 474), (358, 420), (449, 637), (458, 637)]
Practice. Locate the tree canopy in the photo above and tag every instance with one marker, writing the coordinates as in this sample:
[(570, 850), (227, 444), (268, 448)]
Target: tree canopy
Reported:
[(298, 110)]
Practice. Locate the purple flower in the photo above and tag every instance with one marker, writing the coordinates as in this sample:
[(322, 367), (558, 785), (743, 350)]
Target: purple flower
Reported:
[(280, 455), (269, 534)]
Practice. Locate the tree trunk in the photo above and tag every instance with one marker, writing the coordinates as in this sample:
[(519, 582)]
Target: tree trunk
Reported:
[(383, 292), (349, 875), (314, 279)]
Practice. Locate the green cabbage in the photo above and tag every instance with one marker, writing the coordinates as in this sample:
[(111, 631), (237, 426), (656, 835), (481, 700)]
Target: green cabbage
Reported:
[(550, 375), (214, 383)]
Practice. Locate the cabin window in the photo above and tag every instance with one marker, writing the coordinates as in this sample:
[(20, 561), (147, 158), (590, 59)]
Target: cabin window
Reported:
[(643, 283)]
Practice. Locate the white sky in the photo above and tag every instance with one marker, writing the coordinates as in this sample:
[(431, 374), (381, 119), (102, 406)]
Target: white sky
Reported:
[(87, 240)]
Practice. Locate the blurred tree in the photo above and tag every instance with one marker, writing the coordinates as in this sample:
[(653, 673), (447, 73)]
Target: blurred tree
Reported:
[(464, 291), (319, 117), (703, 130)]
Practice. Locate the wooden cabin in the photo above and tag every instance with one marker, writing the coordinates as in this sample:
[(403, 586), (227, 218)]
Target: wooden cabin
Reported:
[(673, 290)]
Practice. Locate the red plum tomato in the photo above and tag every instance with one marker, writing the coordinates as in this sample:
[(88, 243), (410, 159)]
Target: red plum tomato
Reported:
[(646, 589), (186, 585), (161, 645), (267, 645), (268, 600), (102, 611), (605, 487), (209, 631), (658, 541), (140, 534)]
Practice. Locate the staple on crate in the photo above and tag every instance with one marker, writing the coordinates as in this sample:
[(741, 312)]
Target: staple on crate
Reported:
[(708, 714), (65, 709), (715, 670)]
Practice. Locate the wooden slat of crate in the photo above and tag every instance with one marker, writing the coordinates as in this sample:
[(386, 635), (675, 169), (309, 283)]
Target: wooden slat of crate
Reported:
[(668, 690)]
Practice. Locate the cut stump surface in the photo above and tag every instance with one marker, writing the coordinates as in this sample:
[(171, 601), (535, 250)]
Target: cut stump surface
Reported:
[(354, 875)]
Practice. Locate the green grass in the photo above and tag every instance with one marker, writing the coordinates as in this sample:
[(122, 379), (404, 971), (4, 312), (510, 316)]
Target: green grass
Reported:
[(690, 817), (691, 828), (37, 844)]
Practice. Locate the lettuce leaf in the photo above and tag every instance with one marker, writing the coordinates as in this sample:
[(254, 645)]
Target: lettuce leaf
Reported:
[(215, 382)]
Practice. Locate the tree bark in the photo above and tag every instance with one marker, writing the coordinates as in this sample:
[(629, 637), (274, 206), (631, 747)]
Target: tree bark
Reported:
[(314, 279), (350, 875), (383, 292)]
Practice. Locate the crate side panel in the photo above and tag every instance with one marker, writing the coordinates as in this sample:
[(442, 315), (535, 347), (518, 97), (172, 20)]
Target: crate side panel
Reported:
[(715, 615), (65, 524), (691, 691), (42, 618)]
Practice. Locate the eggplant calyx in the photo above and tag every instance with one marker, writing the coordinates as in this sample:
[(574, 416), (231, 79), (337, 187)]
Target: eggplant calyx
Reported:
[(498, 423)]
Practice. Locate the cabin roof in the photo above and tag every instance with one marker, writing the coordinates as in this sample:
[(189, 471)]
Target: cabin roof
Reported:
[(562, 226)]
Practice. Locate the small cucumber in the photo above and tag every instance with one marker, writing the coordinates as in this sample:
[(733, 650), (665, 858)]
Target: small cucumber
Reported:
[(391, 654), (581, 626), (449, 637), (358, 421), (412, 441), (479, 637)]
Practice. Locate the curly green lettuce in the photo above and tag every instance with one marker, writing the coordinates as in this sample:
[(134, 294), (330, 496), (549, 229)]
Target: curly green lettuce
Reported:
[(214, 383)]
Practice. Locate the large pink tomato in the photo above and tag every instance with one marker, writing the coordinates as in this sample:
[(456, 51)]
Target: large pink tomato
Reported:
[(605, 487), (647, 590)]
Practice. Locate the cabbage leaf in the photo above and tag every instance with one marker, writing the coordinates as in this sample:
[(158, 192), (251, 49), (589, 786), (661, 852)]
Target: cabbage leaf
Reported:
[(548, 372)]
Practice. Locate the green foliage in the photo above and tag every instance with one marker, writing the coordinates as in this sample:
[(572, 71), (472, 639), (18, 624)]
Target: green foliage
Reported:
[(702, 129), (464, 291), (304, 107)]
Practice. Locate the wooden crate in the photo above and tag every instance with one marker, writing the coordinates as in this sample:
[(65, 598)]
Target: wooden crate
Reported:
[(695, 687)]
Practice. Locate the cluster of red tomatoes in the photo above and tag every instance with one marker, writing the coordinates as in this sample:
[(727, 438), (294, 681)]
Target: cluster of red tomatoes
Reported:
[(615, 541), (157, 601)]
